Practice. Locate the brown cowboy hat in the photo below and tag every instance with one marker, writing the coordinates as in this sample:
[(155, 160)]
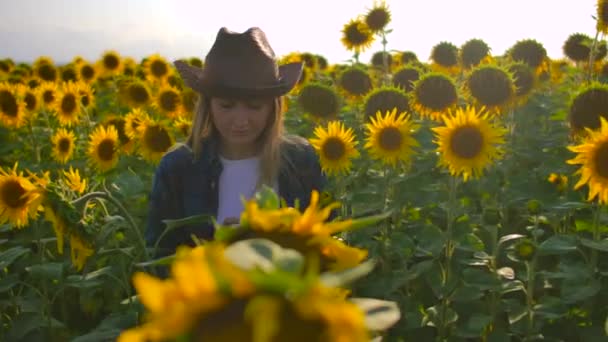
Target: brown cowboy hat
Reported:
[(241, 64)]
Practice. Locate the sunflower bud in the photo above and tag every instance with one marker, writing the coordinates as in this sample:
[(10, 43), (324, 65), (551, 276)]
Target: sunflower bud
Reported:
[(525, 250), (534, 207)]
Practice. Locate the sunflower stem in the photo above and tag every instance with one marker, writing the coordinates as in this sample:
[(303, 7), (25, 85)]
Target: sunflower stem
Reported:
[(531, 277), (34, 144), (449, 249), (385, 64), (107, 196), (596, 234), (592, 56)]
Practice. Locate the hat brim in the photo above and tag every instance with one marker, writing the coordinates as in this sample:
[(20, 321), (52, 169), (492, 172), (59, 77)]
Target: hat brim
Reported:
[(194, 77)]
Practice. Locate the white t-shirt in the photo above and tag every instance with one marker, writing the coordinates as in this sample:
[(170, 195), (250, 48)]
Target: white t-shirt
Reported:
[(239, 178)]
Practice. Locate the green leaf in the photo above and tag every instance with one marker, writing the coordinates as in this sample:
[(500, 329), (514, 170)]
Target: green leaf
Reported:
[(506, 272), (466, 294), (379, 314), (228, 233), (601, 245), (160, 261), (481, 279), (558, 244), (430, 241), (434, 316), (574, 291), (265, 255), (10, 255), (267, 198), (28, 322), (476, 325), (572, 205), (49, 271), (509, 237), (128, 184), (512, 286), (335, 279), (470, 242), (8, 282), (368, 221), (551, 308), (194, 219)]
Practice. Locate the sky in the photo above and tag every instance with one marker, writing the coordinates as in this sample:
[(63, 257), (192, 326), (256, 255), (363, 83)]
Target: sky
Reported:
[(63, 29)]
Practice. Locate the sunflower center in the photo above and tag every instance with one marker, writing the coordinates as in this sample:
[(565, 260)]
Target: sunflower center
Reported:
[(600, 158), (138, 93), (334, 148), (491, 86), (168, 101), (85, 100), (30, 101), (466, 142), (69, 104), (355, 36), (87, 72), (64, 145), (105, 150), (68, 75), (8, 103), (436, 93), (111, 62), (377, 19), (47, 72), (157, 139), (158, 69), (390, 139), (356, 82), (13, 194), (48, 96)]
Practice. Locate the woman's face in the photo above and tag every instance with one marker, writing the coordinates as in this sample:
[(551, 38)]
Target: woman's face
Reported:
[(240, 122)]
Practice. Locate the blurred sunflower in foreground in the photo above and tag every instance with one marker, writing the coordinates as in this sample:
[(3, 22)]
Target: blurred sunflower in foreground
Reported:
[(468, 142), (592, 155), (20, 197)]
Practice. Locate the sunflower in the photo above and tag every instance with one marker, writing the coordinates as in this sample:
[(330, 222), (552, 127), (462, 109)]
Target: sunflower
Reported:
[(133, 120), (528, 51), (86, 72), (45, 69), (126, 144), (189, 100), (12, 107), (467, 142), (19, 198), (130, 68), (319, 100), (592, 155), (155, 140), (385, 98), (110, 63), (378, 17), (335, 146), (168, 101), (80, 250), (560, 181), (183, 125), (63, 145), (68, 73), (87, 96), (355, 81), (73, 180), (491, 86), (524, 78), (48, 94), (156, 68), (31, 96), (380, 57), (135, 93), (59, 225), (408, 57), (472, 52), (445, 57), (434, 94), (357, 36), (578, 47), (68, 105), (389, 137), (405, 78), (587, 106), (103, 148), (602, 16)]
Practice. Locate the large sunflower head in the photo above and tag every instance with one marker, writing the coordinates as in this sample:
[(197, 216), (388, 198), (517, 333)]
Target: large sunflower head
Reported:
[(445, 57), (491, 86), (12, 106), (119, 123), (405, 77), (577, 47), (156, 68), (111, 63), (68, 104), (592, 155), (168, 101), (31, 97), (355, 81), (103, 148), (86, 72), (45, 70), (49, 94), (472, 52), (524, 78), (602, 16), (357, 36), (336, 147), (390, 137), (20, 198), (468, 142), (63, 145), (135, 93), (434, 94), (384, 99), (319, 100), (155, 140), (528, 51), (133, 120), (587, 106), (378, 16)]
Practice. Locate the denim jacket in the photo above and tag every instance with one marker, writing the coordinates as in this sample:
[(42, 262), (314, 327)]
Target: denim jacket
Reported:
[(183, 187)]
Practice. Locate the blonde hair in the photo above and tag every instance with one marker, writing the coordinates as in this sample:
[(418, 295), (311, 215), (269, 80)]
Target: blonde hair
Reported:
[(203, 129)]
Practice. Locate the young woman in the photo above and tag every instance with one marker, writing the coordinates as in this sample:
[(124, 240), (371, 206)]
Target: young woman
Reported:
[(237, 142)]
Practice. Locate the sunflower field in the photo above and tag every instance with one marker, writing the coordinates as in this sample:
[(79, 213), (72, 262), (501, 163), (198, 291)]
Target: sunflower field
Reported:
[(470, 189)]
